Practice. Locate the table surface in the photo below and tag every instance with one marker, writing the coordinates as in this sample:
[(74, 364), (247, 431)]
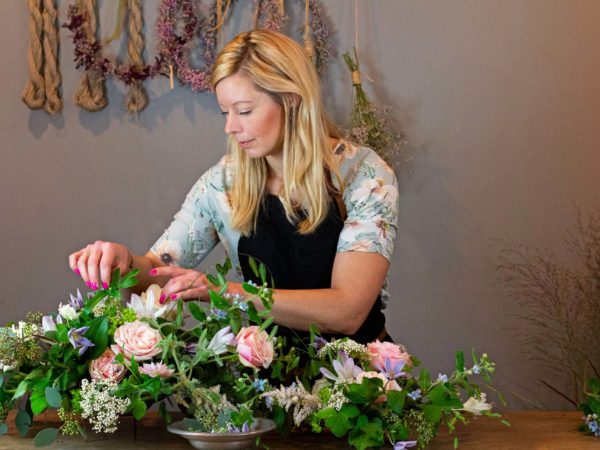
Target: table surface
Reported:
[(552, 430)]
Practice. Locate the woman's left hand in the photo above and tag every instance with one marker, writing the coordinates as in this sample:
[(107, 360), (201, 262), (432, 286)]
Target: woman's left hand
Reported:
[(186, 284)]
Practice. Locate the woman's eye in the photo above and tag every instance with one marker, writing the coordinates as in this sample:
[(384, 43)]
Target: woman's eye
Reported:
[(244, 113), (223, 113)]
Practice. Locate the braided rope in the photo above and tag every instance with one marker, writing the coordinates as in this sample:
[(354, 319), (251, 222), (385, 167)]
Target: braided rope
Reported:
[(90, 94), (136, 99), (33, 94), (309, 43), (52, 76)]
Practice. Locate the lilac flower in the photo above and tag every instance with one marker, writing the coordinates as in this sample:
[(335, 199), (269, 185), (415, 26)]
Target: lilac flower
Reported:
[(191, 348), (221, 341), (401, 445), (76, 302), (344, 367), (319, 343), (415, 395), (233, 429), (442, 378), (391, 372), (78, 341)]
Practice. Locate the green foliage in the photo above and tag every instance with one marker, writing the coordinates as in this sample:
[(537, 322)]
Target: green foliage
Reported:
[(23, 422), (367, 433), (45, 437)]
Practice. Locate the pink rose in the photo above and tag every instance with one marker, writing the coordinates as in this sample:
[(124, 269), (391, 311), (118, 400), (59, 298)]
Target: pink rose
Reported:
[(254, 347), (138, 340), (105, 367), (380, 351)]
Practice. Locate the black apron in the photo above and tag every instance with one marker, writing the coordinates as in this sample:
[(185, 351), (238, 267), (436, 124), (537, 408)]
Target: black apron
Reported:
[(296, 261)]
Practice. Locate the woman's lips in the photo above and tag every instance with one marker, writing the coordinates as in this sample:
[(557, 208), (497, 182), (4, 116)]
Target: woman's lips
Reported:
[(245, 144)]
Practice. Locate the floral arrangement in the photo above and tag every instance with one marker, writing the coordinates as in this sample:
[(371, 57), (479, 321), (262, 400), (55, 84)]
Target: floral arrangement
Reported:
[(373, 127), (96, 359), (591, 406), (370, 394)]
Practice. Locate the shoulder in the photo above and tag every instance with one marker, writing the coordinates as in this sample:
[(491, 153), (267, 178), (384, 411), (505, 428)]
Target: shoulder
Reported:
[(361, 165), (217, 179)]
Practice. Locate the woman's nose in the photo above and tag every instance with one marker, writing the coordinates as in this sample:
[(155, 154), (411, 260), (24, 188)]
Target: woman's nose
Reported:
[(232, 124)]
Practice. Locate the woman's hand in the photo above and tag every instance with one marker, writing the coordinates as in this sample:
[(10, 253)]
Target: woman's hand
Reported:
[(183, 283), (96, 262)]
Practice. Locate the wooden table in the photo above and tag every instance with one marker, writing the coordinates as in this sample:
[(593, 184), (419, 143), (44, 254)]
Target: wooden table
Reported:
[(552, 430)]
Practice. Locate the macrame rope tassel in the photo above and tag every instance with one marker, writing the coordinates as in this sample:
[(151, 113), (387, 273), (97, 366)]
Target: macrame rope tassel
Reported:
[(33, 94), (136, 99), (91, 91), (256, 14), (309, 43), (52, 77)]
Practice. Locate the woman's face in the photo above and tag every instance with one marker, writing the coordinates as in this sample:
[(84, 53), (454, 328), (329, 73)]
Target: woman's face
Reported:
[(253, 118)]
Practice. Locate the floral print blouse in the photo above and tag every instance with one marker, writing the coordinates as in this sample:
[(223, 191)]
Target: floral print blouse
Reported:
[(370, 195)]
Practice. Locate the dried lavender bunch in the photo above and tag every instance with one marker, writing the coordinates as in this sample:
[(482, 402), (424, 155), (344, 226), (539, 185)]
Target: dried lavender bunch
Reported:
[(376, 128), (560, 305)]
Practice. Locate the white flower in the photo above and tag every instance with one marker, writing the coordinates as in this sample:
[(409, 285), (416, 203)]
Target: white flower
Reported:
[(48, 324), (68, 312), (475, 406), (224, 337), (100, 407), (154, 370), (147, 306), (169, 251)]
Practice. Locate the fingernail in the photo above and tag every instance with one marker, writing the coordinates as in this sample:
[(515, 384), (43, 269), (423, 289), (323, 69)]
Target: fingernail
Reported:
[(152, 272), (105, 285), (77, 271), (173, 296), (88, 284), (94, 286), (162, 298)]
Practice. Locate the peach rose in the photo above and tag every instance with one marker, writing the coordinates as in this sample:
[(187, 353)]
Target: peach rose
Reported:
[(105, 367), (380, 351), (254, 347), (138, 340)]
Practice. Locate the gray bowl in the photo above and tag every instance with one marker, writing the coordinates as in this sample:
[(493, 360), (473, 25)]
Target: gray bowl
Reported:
[(224, 441)]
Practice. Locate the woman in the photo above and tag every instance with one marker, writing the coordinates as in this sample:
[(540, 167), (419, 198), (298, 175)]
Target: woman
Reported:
[(318, 212)]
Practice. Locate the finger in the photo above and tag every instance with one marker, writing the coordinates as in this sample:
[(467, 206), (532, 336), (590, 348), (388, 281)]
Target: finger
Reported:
[(93, 269), (73, 262), (168, 271), (82, 267), (191, 294), (175, 287), (107, 263)]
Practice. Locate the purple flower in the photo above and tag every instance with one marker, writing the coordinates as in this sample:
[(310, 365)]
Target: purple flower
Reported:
[(191, 348), (391, 372), (319, 343), (415, 395), (344, 367), (401, 445), (76, 302), (78, 341), (48, 324)]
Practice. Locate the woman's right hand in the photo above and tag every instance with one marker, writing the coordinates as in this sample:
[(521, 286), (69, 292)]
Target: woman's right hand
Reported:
[(96, 262)]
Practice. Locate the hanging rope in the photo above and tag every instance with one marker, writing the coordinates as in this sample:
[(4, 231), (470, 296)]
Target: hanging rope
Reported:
[(52, 77), (91, 92), (34, 95), (309, 43), (136, 99), (221, 15)]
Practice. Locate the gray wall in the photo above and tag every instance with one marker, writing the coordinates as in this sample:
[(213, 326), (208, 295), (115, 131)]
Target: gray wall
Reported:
[(501, 104)]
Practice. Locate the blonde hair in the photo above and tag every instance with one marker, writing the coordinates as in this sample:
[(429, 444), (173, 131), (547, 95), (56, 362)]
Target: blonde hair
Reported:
[(279, 66)]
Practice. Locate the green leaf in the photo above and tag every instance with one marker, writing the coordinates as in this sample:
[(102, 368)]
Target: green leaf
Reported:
[(266, 323), (250, 288), (38, 401), (98, 334), (395, 400), (455, 442), (399, 432), (593, 385), (218, 301), (366, 434), (22, 389), (442, 397), (432, 413), (197, 312), (1, 378), (191, 424), (366, 392), (23, 422), (53, 397), (138, 408), (45, 437), (262, 270), (252, 264), (424, 380), (164, 413), (460, 361), (339, 422), (3, 429)]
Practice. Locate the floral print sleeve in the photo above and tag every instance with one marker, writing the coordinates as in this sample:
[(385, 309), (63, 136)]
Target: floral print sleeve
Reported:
[(192, 233), (371, 198)]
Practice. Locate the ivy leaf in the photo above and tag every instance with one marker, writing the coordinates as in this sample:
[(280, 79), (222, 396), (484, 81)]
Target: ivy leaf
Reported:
[(366, 392), (53, 397), (395, 400), (432, 413), (367, 433), (339, 422), (45, 437), (460, 361), (23, 422), (138, 408), (3, 429)]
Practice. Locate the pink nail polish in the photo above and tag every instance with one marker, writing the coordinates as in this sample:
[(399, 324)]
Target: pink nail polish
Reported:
[(104, 285), (152, 272), (162, 298), (77, 271), (94, 286), (173, 296), (88, 284)]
